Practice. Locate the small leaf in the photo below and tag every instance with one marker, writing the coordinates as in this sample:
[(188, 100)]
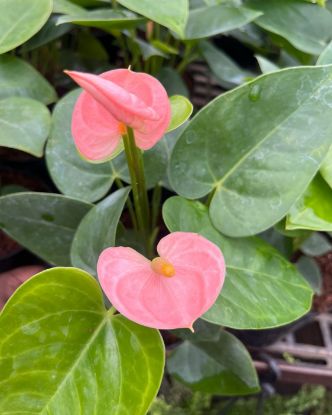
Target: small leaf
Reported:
[(182, 109), (316, 245), (213, 20), (172, 14), (18, 78), (106, 19), (44, 223), (66, 7), (61, 352), (258, 172), (266, 65), (24, 125), (306, 26), (97, 231), (325, 58), (20, 20), (228, 73), (326, 168), (313, 210), (213, 361), (72, 175), (311, 272), (262, 289)]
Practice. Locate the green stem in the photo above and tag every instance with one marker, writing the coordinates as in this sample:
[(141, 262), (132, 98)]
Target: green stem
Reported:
[(136, 171), (129, 205)]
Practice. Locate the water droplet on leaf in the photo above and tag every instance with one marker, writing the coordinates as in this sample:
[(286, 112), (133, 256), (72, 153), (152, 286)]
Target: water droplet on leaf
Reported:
[(255, 93)]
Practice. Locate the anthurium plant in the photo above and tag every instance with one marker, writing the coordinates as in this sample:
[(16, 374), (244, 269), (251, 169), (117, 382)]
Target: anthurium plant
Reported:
[(163, 229)]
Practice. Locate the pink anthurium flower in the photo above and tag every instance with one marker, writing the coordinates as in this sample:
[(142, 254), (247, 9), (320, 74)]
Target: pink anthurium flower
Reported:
[(169, 292), (112, 101)]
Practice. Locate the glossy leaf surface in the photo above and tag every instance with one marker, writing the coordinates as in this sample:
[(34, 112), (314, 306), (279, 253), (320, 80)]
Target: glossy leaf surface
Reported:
[(305, 26), (44, 223), (169, 13), (213, 361), (24, 125), (71, 174), (212, 20), (256, 172), (262, 289), (20, 20), (18, 78), (182, 109), (313, 210), (97, 231), (63, 353)]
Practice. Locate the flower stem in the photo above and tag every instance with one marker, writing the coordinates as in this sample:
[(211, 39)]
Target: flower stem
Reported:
[(140, 196)]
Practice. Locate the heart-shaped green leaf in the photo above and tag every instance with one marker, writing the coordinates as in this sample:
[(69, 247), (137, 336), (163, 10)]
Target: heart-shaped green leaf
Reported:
[(182, 109), (256, 149), (71, 174), (18, 78), (262, 289), (212, 20), (306, 26), (20, 20), (62, 353), (169, 13), (314, 209), (213, 361), (24, 124), (44, 223), (97, 231), (106, 19), (223, 67)]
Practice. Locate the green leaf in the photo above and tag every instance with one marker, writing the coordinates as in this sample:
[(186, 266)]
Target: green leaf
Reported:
[(262, 289), (266, 66), (97, 231), (63, 353), (316, 244), (325, 58), (326, 168), (257, 172), (106, 19), (182, 109), (228, 73), (313, 210), (172, 14), (213, 20), (311, 272), (18, 78), (213, 361), (66, 7), (172, 82), (24, 124), (71, 174), (147, 50), (20, 20), (44, 223), (306, 26)]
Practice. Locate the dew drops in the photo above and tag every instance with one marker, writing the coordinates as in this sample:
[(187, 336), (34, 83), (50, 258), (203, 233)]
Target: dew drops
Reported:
[(255, 93)]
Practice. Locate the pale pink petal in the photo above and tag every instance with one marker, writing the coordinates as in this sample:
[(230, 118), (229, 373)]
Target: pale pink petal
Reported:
[(153, 300)]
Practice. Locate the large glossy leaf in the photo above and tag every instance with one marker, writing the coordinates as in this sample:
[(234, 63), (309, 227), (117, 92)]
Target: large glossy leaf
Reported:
[(20, 20), (62, 353), (213, 361), (97, 231), (24, 125), (326, 168), (104, 19), (44, 223), (169, 13), (228, 72), (306, 26), (71, 174), (257, 147), (314, 209), (262, 289), (18, 78), (212, 20)]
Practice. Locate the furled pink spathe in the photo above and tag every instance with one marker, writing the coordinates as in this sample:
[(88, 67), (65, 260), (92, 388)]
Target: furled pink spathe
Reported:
[(165, 302), (110, 102)]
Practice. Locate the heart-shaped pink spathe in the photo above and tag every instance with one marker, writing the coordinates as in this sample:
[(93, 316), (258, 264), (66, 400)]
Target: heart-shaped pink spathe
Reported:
[(170, 292), (110, 102)]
